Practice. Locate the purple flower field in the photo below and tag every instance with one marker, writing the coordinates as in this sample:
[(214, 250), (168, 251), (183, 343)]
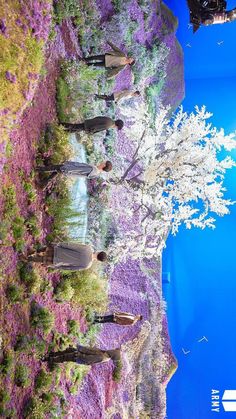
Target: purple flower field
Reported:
[(37, 39)]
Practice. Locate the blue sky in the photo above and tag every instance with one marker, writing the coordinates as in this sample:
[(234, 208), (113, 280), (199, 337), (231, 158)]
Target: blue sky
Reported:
[(201, 296)]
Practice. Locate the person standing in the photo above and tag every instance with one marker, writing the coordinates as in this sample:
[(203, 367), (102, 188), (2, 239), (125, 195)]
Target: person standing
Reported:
[(75, 168), (97, 124), (118, 96), (121, 318), (83, 355), (114, 61), (68, 256)]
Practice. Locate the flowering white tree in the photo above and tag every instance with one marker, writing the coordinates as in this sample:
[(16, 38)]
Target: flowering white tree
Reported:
[(174, 177)]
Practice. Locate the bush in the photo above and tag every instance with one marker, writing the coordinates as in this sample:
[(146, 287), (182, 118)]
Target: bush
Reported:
[(55, 144), (64, 291), (66, 9), (35, 408), (75, 104), (18, 230), (22, 343), (30, 277), (4, 399), (73, 327), (77, 376), (22, 376), (26, 344), (14, 293), (7, 363), (43, 380), (4, 396), (30, 190), (90, 289), (32, 224), (41, 318), (11, 220), (61, 342), (116, 374)]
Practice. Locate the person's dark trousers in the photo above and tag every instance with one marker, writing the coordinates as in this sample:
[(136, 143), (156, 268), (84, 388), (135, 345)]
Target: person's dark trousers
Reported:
[(73, 127), (98, 60), (104, 319), (50, 168), (107, 98)]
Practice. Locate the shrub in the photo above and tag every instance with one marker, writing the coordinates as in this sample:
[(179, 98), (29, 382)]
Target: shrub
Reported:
[(11, 219), (14, 293), (43, 380), (61, 342), (89, 338), (74, 103), (73, 327), (116, 374), (55, 143), (30, 190), (32, 224), (26, 344), (4, 396), (35, 408), (7, 363), (90, 289), (22, 376), (66, 9), (22, 343), (78, 373), (64, 291), (41, 318), (18, 230), (30, 277), (4, 399)]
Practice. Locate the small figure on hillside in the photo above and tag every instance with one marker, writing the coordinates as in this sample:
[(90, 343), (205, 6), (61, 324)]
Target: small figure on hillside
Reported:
[(75, 168), (68, 256), (117, 96), (83, 355), (97, 124), (114, 61), (122, 318)]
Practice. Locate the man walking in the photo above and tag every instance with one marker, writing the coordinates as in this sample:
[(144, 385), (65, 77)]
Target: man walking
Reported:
[(121, 318), (83, 355), (75, 168), (97, 124), (114, 61), (118, 96), (68, 256)]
